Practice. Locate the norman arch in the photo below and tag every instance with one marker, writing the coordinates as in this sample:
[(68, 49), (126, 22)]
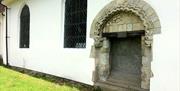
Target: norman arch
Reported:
[(124, 16)]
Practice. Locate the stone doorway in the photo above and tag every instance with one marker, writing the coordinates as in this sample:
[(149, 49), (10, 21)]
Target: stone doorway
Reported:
[(123, 35)]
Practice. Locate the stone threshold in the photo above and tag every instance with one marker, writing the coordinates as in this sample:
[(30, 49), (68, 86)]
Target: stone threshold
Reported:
[(111, 86)]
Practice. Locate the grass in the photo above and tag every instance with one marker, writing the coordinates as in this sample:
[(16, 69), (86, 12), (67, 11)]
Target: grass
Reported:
[(14, 81)]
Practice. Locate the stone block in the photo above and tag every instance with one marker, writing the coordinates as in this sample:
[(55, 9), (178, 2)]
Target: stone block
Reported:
[(141, 4), (149, 11), (145, 61), (93, 53), (136, 2), (157, 24), (146, 7), (130, 2), (138, 26), (157, 30), (153, 17), (129, 27), (121, 27)]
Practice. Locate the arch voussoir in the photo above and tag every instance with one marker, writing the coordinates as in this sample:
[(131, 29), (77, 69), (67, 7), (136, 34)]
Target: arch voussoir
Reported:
[(138, 7)]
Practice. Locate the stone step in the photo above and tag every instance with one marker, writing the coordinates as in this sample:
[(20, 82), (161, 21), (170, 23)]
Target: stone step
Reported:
[(110, 86)]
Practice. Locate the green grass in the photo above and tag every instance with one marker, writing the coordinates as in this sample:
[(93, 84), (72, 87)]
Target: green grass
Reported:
[(15, 81)]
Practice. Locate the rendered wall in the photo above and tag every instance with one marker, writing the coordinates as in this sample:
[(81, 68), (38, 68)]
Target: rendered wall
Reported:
[(3, 37), (46, 52)]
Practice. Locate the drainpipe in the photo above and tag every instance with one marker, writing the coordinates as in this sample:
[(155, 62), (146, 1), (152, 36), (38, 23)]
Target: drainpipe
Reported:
[(6, 36), (7, 56)]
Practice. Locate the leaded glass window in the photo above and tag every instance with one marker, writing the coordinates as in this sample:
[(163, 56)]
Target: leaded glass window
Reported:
[(24, 27), (75, 24)]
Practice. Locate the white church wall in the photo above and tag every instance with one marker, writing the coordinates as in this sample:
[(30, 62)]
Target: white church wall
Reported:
[(3, 37), (46, 52), (165, 65)]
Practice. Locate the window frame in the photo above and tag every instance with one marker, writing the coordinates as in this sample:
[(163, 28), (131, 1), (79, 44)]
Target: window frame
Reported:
[(65, 42)]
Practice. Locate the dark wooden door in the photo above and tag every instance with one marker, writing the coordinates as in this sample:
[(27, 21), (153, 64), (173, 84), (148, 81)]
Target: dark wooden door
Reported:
[(125, 59)]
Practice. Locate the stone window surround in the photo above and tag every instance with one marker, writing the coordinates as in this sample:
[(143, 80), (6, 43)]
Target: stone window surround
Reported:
[(100, 49)]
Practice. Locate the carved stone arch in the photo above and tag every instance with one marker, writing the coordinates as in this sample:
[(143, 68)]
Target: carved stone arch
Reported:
[(139, 7), (101, 47)]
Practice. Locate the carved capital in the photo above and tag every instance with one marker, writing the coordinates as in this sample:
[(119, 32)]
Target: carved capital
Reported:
[(148, 38), (98, 41)]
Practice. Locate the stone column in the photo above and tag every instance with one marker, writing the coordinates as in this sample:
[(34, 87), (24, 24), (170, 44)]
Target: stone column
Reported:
[(146, 65), (103, 64)]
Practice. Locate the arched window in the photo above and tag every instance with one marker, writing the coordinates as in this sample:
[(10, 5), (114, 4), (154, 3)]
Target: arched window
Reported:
[(75, 24), (24, 27)]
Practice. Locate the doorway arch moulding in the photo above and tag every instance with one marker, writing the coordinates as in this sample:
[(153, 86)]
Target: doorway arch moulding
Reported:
[(139, 7)]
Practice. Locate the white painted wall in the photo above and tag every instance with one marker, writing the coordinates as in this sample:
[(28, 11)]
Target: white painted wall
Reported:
[(166, 48), (46, 52), (3, 37)]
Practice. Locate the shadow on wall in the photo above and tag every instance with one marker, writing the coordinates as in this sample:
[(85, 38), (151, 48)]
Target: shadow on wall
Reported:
[(1, 60)]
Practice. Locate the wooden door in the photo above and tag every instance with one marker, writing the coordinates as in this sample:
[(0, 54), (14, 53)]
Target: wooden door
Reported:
[(125, 59)]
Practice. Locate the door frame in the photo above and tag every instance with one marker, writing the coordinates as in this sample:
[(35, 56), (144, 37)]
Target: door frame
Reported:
[(100, 49)]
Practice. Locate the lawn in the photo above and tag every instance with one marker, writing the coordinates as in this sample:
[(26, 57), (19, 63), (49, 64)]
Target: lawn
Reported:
[(14, 81)]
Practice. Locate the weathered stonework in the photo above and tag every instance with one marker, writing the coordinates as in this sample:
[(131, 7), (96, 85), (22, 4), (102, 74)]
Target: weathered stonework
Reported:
[(124, 16), (122, 22), (138, 7)]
